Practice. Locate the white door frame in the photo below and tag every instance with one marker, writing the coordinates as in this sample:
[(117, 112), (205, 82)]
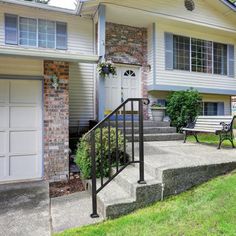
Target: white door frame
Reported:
[(30, 78), (121, 68)]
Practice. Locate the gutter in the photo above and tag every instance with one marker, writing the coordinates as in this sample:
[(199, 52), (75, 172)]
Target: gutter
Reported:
[(48, 55), (230, 5), (40, 6)]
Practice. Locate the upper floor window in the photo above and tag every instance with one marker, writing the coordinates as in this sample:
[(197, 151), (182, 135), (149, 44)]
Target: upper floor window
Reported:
[(35, 32), (198, 55)]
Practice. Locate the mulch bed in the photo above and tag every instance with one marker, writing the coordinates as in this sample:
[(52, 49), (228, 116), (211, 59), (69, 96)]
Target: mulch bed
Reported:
[(73, 185)]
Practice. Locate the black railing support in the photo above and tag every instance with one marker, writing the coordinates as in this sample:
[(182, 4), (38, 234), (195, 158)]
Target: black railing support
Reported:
[(141, 145), (118, 166), (93, 173)]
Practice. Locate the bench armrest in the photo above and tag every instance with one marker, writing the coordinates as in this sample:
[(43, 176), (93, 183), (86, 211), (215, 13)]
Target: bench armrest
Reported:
[(225, 127)]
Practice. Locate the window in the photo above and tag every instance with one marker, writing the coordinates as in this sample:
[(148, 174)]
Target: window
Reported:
[(220, 59), (213, 108), (201, 55), (181, 52), (61, 35), (191, 54), (129, 73), (35, 33), (28, 32), (46, 34), (11, 22)]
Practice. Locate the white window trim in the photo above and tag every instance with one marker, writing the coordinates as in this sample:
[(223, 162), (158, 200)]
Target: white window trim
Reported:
[(37, 33), (190, 58)]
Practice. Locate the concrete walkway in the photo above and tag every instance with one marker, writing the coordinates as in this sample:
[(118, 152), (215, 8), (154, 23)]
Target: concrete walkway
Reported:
[(24, 209)]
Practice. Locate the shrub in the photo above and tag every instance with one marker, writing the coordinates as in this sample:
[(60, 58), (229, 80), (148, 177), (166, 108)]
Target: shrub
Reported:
[(83, 157), (183, 107)]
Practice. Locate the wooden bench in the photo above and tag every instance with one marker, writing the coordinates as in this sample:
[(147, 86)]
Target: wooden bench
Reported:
[(218, 125)]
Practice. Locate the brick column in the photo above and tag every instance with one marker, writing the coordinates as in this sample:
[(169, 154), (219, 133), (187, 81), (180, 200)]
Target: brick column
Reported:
[(56, 121)]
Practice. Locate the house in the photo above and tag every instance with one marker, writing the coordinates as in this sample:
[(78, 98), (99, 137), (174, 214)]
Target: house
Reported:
[(48, 79)]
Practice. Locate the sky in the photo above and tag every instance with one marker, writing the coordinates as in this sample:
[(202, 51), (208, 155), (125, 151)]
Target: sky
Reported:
[(63, 3)]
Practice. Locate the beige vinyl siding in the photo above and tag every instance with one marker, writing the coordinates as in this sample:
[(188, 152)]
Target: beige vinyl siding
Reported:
[(81, 94), (186, 78), (20, 66), (208, 12), (79, 30)]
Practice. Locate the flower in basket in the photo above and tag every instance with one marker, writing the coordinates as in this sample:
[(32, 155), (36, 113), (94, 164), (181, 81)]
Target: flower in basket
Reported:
[(106, 68)]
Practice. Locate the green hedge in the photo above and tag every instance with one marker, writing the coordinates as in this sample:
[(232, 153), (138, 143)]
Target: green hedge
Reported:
[(83, 159), (183, 107)]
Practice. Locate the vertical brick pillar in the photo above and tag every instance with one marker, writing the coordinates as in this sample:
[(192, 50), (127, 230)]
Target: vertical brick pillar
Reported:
[(56, 121)]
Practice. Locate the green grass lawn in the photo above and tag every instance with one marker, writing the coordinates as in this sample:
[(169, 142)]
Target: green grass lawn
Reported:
[(209, 209), (210, 139)]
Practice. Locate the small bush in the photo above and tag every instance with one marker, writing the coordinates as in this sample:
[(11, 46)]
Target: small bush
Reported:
[(183, 107), (83, 157)]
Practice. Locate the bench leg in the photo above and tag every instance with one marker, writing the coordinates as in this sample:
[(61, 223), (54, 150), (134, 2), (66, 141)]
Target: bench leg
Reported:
[(185, 136), (220, 141), (195, 136)]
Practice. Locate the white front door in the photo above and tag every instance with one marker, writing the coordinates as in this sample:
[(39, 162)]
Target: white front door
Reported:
[(20, 130), (126, 84)]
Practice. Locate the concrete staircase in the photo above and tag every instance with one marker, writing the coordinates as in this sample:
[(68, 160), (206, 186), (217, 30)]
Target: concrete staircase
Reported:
[(165, 175), (153, 131)]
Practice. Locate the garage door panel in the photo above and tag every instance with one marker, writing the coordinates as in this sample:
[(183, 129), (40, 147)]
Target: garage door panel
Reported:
[(3, 143), (25, 92), (4, 91), (23, 166), (20, 130), (23, 142), (3, 118), (3, 166), (22, 117)]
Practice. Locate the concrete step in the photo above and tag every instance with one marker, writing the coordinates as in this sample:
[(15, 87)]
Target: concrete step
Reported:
[(123, 194), (129, 177), (151, 130), (146, 123), (157, 137)]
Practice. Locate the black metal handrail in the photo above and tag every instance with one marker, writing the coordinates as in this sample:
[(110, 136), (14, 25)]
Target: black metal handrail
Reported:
[(106, 122)]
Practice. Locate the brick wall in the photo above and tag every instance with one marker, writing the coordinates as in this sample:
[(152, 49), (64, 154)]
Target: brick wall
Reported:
[(128, 45), (56, 121)]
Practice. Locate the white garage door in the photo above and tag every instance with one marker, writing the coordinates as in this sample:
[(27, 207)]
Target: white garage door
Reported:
[(20, 130)]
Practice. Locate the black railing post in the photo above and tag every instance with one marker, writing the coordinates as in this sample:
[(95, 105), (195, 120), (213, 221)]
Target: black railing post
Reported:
[(94, 177), (141, 144)]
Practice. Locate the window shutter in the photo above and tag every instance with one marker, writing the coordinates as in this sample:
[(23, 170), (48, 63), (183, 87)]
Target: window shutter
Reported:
[(220, 109), (231, 61), (61, 42), (169, 51), (11, 26)]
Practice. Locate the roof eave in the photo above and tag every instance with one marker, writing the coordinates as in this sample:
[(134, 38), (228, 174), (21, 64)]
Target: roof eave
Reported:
[(230, 5), (39, 5)]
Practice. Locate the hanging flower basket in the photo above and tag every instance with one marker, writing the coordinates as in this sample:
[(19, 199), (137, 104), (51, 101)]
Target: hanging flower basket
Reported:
[(106, 69)]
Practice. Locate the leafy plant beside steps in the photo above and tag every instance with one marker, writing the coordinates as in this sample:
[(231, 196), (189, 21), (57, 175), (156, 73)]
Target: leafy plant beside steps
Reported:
[(83, 157)]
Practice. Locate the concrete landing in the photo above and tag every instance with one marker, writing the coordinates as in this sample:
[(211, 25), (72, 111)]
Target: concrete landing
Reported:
[(72, 211), (24, 209)]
